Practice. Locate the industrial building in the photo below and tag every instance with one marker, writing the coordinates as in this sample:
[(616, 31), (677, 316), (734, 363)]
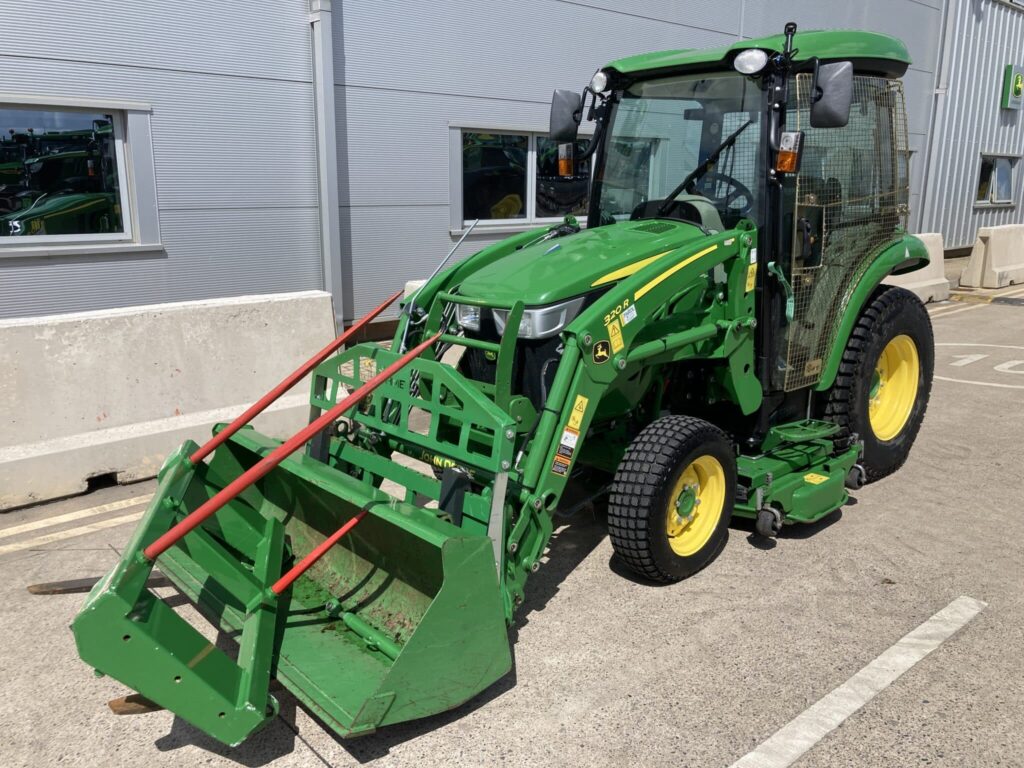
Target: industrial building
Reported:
[(309, 145)]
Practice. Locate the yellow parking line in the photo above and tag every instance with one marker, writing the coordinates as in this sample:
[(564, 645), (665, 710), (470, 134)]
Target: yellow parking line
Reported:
[(958, 310), (70, 533), (113, 506)]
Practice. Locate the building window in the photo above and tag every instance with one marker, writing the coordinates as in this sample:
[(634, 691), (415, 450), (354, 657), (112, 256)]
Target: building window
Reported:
[(520, 178), (62, 176), (995, 180)]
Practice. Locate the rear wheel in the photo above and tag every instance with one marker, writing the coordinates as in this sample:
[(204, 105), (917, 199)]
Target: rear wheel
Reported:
[(885, 378), (672, 498)]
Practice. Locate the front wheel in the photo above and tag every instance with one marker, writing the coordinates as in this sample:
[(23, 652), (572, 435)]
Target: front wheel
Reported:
[(672, 498), (884, 380)]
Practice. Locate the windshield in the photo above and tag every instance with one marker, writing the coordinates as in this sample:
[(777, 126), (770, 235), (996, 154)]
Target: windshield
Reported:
[(664, 130)]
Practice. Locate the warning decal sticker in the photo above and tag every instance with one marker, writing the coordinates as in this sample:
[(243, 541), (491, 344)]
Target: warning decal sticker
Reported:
[(615, 336)]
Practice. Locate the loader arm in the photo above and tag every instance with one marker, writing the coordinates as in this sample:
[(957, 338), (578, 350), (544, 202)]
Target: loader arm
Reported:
[(694, 301)]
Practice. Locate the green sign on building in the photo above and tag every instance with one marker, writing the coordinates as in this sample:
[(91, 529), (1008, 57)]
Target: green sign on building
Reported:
[(1013, 87)]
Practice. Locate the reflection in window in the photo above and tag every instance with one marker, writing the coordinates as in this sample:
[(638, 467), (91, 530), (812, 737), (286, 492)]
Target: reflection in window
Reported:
[(563, 178), (521, 178), (493, 175), (58, 173), (627, 175), (995, 180)]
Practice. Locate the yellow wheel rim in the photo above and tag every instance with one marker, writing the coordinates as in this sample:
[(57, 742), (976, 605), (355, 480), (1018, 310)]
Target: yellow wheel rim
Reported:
[(894, 388), (695, 505)]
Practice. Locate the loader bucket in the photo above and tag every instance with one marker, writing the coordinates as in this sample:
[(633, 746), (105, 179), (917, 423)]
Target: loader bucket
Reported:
[(401, 619)]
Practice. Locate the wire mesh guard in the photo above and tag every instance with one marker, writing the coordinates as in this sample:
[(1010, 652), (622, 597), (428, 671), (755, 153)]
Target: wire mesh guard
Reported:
[(851, 196)]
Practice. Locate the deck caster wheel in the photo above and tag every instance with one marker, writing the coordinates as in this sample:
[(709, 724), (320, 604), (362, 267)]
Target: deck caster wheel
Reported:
[(856, 478), (768, 523)]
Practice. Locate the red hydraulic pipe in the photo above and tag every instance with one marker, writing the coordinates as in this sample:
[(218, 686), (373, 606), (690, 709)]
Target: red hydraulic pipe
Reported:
[(279, 454), (257, 408), (307, 562)]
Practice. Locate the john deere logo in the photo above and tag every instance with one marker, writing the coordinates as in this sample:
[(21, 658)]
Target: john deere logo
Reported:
[(1018, 84), (602, 351)]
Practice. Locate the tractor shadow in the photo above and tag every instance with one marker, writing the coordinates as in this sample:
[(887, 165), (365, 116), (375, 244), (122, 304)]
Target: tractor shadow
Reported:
[(265, 746), (796, 532), (573, 540)]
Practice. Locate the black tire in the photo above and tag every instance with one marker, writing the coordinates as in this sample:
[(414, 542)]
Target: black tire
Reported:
[(892, 312), (639, 502)]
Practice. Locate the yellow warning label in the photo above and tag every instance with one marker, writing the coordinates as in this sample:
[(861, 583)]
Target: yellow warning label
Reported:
[(615, 336), (814, 478), (751, 277), (578, 409)]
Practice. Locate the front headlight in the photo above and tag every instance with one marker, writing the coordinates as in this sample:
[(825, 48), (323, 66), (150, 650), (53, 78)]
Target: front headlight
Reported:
[(468, 317), (542, 322)]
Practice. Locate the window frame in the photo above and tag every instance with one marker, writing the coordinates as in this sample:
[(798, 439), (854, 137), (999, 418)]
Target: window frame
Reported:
[(991, 202), (457, 222), (133, 150)]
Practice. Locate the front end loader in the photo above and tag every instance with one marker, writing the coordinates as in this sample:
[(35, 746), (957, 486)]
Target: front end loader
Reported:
[(715, 342)]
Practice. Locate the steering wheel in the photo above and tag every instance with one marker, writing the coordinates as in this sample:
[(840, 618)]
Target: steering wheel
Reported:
[(735, 191)]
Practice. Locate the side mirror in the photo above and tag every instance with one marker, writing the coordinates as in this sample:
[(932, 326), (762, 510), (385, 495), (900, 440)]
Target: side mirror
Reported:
[(831, 95), (566, 112)]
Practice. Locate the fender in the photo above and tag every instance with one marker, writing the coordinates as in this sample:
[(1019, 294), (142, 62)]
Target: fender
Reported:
[(908, 254)]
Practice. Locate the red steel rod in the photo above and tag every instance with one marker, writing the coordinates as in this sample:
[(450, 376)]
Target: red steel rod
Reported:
[(307, 562), (290, 381), (279, 454)]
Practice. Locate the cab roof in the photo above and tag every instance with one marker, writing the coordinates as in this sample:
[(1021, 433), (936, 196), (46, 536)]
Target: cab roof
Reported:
[(870, 52)]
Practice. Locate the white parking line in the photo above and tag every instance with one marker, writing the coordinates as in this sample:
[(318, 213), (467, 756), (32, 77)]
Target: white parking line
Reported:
[(46, 522), (980, 383), (70, 533), (795, 738)]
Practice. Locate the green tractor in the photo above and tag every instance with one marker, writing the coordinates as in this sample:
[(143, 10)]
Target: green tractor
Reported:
[(68, 185), (13, 151), (66, 193), (716, 343)]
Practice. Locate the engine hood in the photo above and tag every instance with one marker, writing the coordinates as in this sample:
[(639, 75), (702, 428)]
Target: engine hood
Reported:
[(571, 265)]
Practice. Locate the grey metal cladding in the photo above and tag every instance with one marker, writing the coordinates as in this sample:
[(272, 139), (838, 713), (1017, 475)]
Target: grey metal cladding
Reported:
[(498, 51), (260, 38), (233, 139), (985, 37), (208, 254), (396, 150)]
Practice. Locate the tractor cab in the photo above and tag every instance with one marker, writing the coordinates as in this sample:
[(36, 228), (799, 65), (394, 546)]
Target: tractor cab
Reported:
[(807, 144)]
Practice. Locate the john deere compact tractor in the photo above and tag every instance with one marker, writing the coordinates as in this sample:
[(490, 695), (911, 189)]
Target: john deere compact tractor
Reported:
[(715, 343)]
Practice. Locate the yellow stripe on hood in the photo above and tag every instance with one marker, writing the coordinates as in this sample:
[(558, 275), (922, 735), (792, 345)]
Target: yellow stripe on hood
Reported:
[(629, 269), (671, 271)]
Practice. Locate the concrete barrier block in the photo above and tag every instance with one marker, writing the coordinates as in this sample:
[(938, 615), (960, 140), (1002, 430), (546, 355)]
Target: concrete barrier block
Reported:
[(411, 286), (997, 258), (113, 392), (930, 283)]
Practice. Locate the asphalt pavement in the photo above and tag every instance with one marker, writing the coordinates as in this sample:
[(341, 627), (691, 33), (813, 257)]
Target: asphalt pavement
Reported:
[(756, 651)]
